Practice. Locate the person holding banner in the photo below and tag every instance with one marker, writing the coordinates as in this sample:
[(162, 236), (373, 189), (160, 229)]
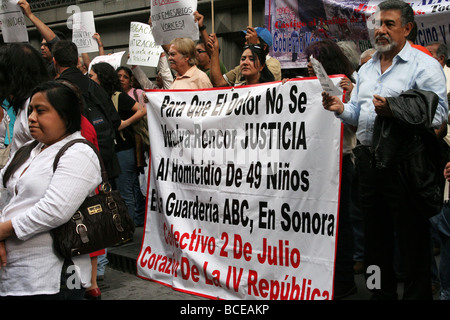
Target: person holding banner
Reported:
[(394, 183)]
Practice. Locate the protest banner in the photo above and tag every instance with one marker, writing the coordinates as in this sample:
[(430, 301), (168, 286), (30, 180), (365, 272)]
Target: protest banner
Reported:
[(83, 28), (173, 19), (296, 24), (143, 49), (243, 191), (12, 22)]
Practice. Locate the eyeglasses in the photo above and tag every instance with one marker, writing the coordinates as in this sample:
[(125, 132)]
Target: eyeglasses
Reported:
[(200, 51)]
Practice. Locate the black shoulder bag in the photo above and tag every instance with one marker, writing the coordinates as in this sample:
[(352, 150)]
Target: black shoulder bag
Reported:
[(100, 222)]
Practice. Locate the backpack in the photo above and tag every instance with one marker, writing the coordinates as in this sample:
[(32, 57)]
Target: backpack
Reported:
[(102, 119)]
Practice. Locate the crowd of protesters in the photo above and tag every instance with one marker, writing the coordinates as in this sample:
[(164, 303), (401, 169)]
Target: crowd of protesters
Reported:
[(393, 207)]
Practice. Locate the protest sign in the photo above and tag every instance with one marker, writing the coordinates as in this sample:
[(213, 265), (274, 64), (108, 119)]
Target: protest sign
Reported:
[(296, 24), (114, 59), (83, 29), (12, 21), (327, 84), (243, 192), (173, 19), (143, 49)]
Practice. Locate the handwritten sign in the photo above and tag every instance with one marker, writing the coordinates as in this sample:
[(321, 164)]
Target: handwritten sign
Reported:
[(12, 21), (173, 19), (143, 49), (82, 32)]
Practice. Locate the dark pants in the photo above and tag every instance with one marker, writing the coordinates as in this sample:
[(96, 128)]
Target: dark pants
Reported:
[(390, 215), (344, 254)]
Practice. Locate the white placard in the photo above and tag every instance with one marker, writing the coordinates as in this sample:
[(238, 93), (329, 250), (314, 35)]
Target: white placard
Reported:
[(114, 59), (83, 30), (143, 49), (173, 19), (12, 21)]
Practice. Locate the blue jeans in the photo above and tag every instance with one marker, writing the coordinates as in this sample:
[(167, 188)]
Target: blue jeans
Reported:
[(442, 223), (102, 261), (125, 181)]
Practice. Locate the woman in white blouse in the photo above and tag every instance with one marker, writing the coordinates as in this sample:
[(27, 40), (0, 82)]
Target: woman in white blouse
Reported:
[(42, 199)]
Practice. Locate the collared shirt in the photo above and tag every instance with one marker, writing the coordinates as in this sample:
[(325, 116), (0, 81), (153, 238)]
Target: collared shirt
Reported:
[(410, 69), (194, 78), (42, 200)]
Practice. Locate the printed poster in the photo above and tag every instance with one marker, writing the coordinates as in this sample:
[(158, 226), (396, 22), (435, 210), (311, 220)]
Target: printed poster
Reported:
[(243, 192), (295, 24)]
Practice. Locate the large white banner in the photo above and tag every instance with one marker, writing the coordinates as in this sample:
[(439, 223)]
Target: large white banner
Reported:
[(173, 19), (295, 24), (243, 192)]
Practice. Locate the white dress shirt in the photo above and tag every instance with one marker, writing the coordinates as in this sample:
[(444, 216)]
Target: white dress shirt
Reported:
[(410, 69), (42, 200)]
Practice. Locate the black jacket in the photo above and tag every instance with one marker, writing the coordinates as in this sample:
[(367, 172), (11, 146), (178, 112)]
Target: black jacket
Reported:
[(408, 142), (102, 108)]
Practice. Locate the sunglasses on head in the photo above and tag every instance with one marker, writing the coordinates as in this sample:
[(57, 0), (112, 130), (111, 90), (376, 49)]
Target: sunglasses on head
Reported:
[(252, 45)]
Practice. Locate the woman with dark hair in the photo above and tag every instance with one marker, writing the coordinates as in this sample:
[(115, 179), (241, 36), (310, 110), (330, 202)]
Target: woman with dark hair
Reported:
[(331, 56), (130, 111), (142, 150), (21, 70), (334, 61), (130, 85), (252, 65), (36, 199)]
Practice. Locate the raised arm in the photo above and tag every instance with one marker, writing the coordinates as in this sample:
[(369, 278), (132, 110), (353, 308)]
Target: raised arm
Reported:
[(215, 73), (43, 29)]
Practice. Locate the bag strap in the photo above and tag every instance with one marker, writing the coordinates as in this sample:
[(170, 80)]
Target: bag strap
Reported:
[(72, 142)]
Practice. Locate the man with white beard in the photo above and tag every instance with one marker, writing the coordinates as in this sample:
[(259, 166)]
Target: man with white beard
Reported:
[(388, 198)]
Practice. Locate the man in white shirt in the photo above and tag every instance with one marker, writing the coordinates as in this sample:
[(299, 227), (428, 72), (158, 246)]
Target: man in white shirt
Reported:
[(388, 198)]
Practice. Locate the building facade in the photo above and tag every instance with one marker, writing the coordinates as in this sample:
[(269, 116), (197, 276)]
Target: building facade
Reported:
[(113, 17)]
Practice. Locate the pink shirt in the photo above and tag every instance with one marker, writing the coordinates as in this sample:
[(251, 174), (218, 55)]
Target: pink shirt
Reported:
[(194, 78)]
